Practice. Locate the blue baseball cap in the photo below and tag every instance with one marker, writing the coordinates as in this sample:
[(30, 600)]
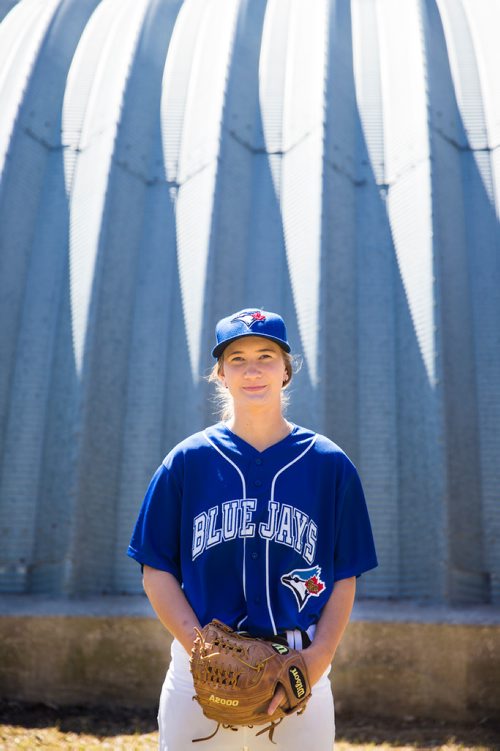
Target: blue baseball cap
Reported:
[(250, 322)]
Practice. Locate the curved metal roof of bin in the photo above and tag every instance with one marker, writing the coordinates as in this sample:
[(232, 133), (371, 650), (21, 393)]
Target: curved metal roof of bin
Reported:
[(165, 162)]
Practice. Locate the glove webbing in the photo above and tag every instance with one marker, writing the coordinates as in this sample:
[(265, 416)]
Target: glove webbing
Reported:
[(227, 647)]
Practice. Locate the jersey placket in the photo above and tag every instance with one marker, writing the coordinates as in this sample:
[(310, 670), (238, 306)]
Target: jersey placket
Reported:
[(257, 595)]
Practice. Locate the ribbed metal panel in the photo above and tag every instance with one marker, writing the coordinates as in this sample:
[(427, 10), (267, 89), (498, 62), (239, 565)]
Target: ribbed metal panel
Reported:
[(466, 225), (375, 291), (163, 162)]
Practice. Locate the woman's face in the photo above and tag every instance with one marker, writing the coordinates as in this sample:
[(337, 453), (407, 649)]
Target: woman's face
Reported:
[(254, 370)]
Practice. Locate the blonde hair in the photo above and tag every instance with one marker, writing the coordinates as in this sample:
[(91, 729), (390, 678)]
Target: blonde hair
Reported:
[(223, 399)]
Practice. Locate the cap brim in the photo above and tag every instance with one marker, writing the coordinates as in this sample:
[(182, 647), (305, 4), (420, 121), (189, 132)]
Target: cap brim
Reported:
[(219, 349)]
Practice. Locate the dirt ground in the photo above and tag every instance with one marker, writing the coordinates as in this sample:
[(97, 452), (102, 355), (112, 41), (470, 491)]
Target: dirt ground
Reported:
[(30, 727)]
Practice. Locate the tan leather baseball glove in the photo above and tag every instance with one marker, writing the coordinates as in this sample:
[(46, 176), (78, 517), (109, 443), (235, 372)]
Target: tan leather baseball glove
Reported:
[(235, 678)]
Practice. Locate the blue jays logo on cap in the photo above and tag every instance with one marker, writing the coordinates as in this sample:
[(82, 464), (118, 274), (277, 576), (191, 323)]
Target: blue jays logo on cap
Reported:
[(250, 322), (250, 317), (304, 583)]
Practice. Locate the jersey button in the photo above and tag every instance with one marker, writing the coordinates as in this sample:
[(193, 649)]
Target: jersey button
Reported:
[(257, 600), (258, 460), (255, 555), (257, 483)]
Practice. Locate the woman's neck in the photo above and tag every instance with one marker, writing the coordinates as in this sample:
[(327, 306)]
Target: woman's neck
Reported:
[(258, 429)]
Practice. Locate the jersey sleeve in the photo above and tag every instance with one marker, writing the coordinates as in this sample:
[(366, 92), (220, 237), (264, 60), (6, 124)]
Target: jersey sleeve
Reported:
[(155, 541), (354, 550)]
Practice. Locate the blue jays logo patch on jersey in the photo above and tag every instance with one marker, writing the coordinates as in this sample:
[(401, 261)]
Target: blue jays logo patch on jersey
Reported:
[(250, 317), (304, 583)]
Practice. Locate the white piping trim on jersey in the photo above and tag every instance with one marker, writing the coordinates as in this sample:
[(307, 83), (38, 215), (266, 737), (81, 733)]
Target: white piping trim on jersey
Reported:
[(244, 495), (267, 541)]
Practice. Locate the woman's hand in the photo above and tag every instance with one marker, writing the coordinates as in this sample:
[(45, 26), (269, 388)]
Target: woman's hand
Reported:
[(329, 630), (317, 661)]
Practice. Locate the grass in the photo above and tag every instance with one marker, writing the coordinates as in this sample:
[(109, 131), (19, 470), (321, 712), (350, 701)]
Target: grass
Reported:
[(28, 727)]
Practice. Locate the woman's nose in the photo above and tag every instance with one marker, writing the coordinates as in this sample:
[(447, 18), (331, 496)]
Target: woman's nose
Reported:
[(252, 369)]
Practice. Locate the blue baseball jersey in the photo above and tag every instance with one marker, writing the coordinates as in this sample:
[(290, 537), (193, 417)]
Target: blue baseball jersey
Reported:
[(256, 539)]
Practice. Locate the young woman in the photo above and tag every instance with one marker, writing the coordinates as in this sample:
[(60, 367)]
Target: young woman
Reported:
[(257, 522)]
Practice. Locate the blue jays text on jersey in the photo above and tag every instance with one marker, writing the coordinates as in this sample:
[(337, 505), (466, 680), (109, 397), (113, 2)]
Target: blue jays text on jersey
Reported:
[(284, 524), (257, 539)]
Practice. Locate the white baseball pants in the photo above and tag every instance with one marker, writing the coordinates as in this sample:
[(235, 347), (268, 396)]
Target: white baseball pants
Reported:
[(181, 720)]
